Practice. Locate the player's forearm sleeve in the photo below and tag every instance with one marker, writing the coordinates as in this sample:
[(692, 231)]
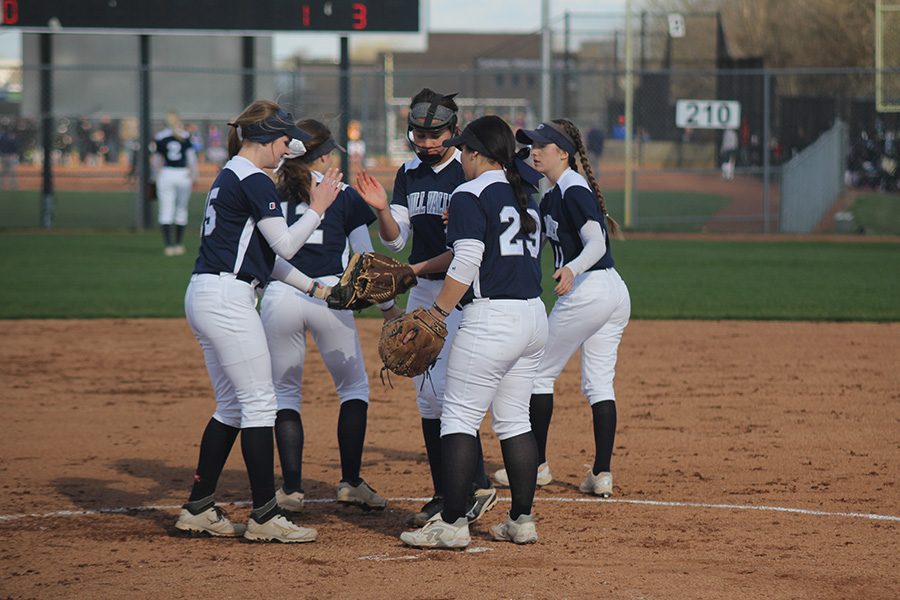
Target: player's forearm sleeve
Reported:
[(284, 240), (401, 217), (467, 255), (286, 272), (594, 248)]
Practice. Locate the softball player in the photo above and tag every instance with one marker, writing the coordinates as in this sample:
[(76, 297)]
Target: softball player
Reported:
[(242, 232), (287, 314), (421, 195), (175, 167), (494, 230), (594, 305)]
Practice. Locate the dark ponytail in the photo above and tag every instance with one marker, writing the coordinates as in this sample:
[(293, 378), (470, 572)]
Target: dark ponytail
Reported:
[(498, 140), (573, 133)]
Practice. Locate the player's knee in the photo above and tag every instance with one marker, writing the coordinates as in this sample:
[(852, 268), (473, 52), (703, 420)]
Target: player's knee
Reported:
[(230, 416), (450, 425), (510, 429), (429, 407), (356, 390)]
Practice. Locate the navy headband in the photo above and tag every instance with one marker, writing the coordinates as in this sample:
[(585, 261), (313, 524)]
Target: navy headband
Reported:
[(271, 128), (322, 149), (547, 133)]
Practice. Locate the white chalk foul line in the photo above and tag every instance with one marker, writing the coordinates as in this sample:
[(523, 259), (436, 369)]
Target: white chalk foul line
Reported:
[(781, 509)]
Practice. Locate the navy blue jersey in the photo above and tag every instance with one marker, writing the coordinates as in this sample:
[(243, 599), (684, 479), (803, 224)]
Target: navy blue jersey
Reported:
[(484, 209), (326, 250), (241, 196), (425, 193), (173, 148), (564, 210)]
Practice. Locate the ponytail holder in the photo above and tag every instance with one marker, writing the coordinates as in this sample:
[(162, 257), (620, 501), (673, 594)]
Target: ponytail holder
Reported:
[(237, 128)]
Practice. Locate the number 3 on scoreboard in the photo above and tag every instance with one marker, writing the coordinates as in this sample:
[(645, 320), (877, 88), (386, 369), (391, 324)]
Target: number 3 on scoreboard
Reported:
[(360, 16)]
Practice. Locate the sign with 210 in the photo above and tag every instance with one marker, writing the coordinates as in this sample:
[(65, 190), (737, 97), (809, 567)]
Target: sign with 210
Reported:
[(708, 114)]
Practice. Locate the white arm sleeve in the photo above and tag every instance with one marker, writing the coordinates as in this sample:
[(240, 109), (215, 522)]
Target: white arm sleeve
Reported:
[(286, 272), (284, 240), (360, 240), (467, 255), (594, 248), (401, 216)]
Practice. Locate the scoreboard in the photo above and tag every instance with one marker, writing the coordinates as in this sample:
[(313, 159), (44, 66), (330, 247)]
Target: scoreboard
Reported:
[(211, 15)]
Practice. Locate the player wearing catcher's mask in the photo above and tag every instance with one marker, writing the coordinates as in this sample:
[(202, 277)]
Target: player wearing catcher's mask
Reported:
[(242, 232), (494, 230), (593, 306), (421, 195), (288, 313)]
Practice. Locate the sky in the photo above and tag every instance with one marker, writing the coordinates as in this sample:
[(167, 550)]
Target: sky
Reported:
[(438, 15)]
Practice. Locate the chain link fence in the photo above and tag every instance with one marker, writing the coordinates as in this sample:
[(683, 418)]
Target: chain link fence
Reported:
[(717, 175)]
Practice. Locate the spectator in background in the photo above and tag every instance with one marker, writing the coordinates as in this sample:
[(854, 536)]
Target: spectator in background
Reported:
[(728, 153), (215, 151), (595, 140), (356, 147), (618, 132), (9, 158)]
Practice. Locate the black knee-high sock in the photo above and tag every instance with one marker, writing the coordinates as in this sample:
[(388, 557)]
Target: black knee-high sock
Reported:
[(459, 451), (259, 457), (480, 479), (289, 436), (167, 234), (179, 233), (215, 446), (431, 431), (541, 413), (351, 432), (520, 456), (604, 413)]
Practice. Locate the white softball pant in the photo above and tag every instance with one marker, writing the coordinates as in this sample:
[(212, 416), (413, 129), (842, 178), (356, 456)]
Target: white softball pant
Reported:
[(592, 316), (430, 393), (173, 191), (221, 311), (287, 314), (492, 362)]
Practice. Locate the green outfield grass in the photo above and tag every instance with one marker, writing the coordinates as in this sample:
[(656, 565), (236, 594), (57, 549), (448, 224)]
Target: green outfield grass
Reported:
[(877, 214), (62, 275), (660, 211)]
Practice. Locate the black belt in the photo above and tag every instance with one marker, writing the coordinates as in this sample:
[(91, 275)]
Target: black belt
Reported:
[(434, 276), (253, 281)]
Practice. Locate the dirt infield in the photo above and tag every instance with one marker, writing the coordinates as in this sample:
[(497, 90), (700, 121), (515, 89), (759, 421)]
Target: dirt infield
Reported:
[(716, 419)]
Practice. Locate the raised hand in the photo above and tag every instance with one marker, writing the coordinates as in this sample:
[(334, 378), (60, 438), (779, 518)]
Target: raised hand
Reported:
[(323, 193), (372, 192)]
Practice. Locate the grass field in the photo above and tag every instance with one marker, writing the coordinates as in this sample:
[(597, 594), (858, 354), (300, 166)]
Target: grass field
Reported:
[(662, 211), (82, 275), (877, 214)]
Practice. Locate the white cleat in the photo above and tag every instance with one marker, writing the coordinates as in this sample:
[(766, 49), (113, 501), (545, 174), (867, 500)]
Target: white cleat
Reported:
[(279, 529), (361, 495), (598, 485), (543, 475), (520, 531), (439, 534), (211, 522), (292, 502)]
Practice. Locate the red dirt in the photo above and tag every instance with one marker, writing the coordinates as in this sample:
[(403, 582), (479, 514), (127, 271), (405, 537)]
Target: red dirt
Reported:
[(108, 414)]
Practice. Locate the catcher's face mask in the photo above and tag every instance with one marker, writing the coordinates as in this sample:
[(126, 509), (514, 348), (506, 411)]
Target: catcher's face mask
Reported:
[(427, 124)]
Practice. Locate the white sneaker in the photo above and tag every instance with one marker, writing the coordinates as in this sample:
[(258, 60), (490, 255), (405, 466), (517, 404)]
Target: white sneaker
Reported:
[(439, 534), (292, 502), (520, 531), (169, 251), (179, 250), (543, 475), (279, 529), (598, 485), (211, 521), (361, 495)]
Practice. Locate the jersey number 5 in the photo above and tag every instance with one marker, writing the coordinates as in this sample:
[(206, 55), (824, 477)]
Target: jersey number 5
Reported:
[(510, 243), (209, 220)]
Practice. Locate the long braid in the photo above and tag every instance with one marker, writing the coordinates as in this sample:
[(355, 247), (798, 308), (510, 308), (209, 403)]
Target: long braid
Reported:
[(614, 229)]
